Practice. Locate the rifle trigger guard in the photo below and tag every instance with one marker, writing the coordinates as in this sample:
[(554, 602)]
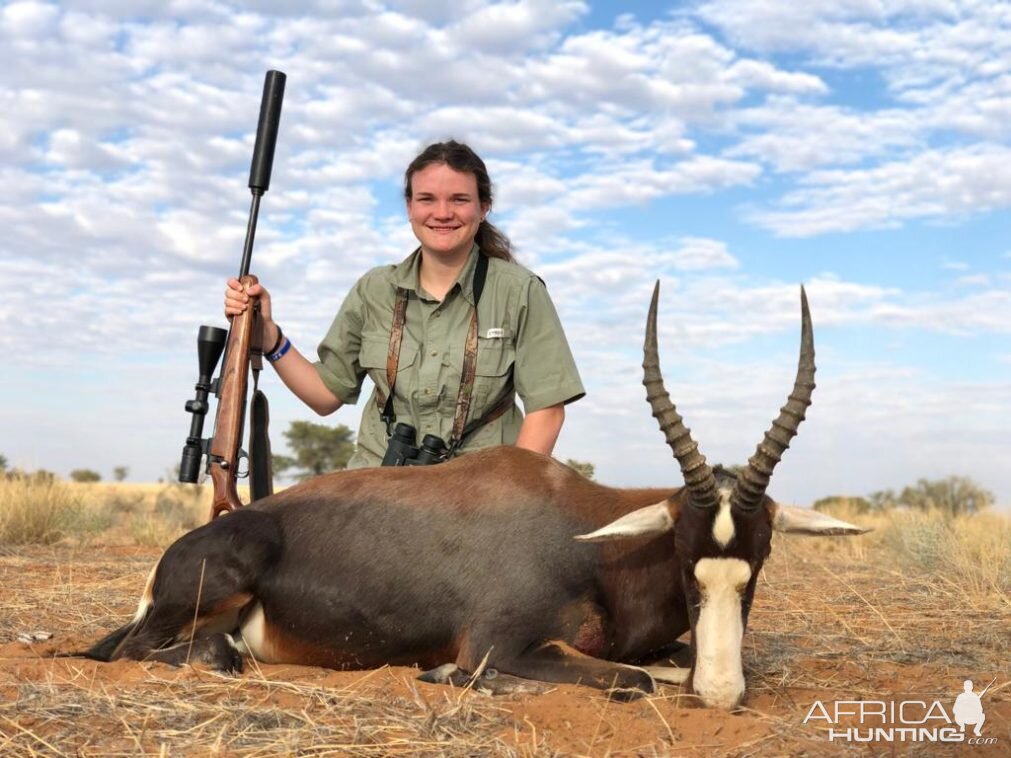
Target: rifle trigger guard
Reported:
[(241, 474)]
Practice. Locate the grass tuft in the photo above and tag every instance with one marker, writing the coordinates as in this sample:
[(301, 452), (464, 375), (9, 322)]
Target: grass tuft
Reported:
[(36, 511)]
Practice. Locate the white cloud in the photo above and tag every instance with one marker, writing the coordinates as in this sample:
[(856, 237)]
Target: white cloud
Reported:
[(126, 147), (28, 19), (796, 136), (699, 253), (765, 76), (934, 184), (515, 27), (640, 181)]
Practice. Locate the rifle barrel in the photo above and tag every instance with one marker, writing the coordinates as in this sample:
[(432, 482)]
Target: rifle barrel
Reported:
[(987, 687), (263, 155)]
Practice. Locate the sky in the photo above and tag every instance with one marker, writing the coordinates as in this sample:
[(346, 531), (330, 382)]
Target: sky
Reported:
[(731, 149)]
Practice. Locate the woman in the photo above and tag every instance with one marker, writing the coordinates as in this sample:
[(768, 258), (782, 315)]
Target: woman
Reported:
[(456, 364)]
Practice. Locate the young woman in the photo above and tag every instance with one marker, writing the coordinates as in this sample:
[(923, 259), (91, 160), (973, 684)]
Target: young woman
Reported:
[(458, 327)]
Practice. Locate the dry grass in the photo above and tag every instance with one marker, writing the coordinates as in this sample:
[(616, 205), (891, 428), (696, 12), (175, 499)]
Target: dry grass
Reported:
[(910, 609), (962, 555), (203, 713), (36, 512)]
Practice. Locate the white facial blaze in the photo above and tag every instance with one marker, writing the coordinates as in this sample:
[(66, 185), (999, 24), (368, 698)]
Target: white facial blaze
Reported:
[(719, 672), (723, 525)]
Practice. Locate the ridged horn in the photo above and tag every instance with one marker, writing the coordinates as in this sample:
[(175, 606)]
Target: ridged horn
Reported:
[(697, 474), (752, 482)]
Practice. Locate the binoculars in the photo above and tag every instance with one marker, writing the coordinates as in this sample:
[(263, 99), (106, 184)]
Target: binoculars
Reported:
[(402, 450)]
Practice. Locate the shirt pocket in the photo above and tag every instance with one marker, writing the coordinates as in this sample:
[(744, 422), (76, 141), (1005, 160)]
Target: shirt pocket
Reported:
[(495, 360), (493, 371), (372, 358)]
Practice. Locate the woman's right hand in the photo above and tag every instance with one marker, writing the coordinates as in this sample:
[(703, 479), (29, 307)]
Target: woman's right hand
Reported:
[(237, 300)]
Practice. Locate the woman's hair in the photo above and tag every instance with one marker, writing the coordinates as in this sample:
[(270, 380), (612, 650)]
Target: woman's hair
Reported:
[(460, 157)]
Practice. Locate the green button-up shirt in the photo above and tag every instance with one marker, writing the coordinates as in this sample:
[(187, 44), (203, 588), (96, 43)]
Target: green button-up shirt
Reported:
[(521, 349)]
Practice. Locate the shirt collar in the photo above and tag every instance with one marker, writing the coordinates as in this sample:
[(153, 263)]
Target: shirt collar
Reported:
[(406, 274)]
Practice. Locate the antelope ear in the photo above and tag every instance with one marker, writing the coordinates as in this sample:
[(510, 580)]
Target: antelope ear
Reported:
[(653, 519), (793, 520)]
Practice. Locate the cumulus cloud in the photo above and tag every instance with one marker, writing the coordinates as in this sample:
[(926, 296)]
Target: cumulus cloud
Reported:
[(129, 127), (797, 136), (934, 184)]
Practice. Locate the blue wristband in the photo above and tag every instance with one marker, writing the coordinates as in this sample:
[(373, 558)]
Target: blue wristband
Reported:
[(279, 353)]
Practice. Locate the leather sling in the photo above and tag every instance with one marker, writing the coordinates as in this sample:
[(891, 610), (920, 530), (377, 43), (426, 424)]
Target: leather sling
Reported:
[(461, 429)]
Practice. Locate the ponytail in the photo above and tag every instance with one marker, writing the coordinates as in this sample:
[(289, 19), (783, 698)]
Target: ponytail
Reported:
[(493, 243)]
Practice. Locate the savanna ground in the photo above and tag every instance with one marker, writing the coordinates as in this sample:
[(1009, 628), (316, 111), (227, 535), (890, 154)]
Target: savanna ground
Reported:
[(906, 612)]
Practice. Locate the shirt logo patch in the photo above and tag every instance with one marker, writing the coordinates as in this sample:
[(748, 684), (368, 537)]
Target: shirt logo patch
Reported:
[(495, 333)]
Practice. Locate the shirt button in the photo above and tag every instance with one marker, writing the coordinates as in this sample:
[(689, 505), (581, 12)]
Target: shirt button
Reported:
[(435, 353), (427, 392), (438, 313)]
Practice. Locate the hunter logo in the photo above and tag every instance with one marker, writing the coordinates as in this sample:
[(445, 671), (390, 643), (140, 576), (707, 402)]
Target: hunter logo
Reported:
[(904, 721), (969, 707)]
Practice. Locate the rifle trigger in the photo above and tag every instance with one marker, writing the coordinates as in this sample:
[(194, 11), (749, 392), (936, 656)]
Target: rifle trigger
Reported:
[(241, 474)]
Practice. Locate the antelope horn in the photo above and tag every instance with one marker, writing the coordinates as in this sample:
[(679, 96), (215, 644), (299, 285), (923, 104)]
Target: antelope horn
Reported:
[(698, 475), (751, 483)]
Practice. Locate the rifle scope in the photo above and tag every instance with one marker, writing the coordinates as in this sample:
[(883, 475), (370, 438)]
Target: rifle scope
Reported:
[(210, 344), (211, 340)]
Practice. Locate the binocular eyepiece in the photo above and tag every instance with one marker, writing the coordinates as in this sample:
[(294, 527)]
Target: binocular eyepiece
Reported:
[(402, 450)]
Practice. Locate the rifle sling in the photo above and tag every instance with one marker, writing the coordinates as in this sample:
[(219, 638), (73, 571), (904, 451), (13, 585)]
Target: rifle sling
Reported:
[(261, 473)]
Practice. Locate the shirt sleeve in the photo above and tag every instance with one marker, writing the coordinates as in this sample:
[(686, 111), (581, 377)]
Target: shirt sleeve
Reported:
[(338, 365), (544, 373)]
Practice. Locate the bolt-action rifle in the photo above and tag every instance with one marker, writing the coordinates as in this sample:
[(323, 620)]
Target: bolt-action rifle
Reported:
[(223, 449)]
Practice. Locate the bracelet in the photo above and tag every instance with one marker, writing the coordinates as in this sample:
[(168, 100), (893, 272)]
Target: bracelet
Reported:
[(279, 353), (277, 342)]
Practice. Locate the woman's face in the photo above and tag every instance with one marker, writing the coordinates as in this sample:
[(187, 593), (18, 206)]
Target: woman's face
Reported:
[(444, 210)]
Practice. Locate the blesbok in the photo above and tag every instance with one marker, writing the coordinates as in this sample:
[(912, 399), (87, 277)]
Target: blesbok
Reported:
[(500, 561)]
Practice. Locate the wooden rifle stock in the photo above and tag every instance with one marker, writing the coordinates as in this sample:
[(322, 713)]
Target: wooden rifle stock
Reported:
[(223, 453), (224, 449)]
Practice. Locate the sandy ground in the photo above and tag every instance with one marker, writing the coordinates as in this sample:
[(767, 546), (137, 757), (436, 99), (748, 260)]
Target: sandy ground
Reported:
[(829, 623)]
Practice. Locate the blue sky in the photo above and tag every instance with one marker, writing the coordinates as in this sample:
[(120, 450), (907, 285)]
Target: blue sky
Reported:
[(733, 149)]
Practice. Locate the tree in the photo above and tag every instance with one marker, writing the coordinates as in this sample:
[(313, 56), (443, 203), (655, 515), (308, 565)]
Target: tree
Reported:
[(85, 475), (883, 500), (955, 495), (317, 448), (842, 504), (584, 468), (3, 464), (120, 473)]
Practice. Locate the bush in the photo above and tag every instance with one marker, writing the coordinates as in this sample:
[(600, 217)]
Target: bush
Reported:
[(842, 504), (85, 475), (36, 510), (177, 506)]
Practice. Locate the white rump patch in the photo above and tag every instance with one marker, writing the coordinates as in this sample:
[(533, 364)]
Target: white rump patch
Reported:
[(719, 672), (653, 519), (253, 633), (723, 526), (146, 597), (795, 520)]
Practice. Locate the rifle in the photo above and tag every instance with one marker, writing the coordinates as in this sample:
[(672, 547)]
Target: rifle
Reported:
[(223, 450), (987, 687)]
